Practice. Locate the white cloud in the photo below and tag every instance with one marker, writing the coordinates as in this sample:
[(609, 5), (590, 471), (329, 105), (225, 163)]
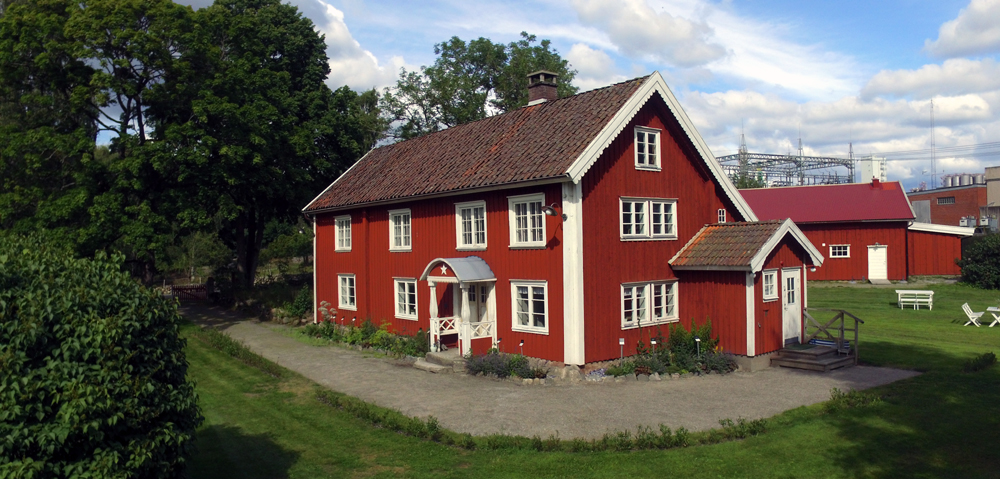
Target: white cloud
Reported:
[(956, 76), (595, 69), (637, 30), (350, 64), (975, 31)]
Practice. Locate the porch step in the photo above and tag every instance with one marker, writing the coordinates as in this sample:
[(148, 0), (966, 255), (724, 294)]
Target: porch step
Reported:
[(444, 358), (879, 281), (811, 357), (432, 367)]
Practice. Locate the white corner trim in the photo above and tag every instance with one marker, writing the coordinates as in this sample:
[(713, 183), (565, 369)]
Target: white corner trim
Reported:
[(943, 229), (572, 247), (656, 84), (757, 262), (315, 292), (356, 163), (751, 317)]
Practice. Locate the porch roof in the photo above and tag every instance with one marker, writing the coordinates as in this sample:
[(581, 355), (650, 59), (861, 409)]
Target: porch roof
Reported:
[(470, 268)]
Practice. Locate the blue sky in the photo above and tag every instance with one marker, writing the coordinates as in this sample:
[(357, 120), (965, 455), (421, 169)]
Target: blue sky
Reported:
[(836, 71)]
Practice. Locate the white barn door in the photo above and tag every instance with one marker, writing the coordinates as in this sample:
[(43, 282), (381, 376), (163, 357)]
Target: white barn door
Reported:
[(791, 303), (878, 262)]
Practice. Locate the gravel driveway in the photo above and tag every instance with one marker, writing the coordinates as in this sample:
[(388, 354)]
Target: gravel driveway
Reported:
[(480, 406)]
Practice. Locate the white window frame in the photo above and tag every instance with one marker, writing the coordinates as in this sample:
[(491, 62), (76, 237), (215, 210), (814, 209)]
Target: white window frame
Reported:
[(401, 307), (342, 241), (406, 235), (342, 280), (512, 202), (530, 328), (655, 164), (722, 215), (773, 294), (647, 220), (474, 246), (846, 255), (649, 316)]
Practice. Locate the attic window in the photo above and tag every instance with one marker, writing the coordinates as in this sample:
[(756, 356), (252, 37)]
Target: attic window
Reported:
[(647, 148), (722, 215)]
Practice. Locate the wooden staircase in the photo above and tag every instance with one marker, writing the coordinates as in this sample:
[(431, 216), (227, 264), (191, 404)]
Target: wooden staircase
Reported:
[(812, 357)]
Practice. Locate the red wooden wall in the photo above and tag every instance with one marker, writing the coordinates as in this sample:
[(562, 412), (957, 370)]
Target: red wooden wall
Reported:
[(719, 296), (933, 253), (767, 314), (608, 261), (859, 236), (433, 236)]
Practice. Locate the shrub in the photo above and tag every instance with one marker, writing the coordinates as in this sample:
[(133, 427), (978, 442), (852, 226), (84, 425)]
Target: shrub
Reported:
[(980, 362), (302, 303), (92, 370), (501, 365), (980, 263)]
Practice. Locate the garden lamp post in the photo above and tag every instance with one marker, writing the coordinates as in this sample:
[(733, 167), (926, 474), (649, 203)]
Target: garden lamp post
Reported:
[(621, 350), (697, 342), (498, 344), (653, 342), (522, 347)]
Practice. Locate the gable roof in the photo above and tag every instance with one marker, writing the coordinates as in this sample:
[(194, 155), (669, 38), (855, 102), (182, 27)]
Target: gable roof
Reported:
[(885, 201), (551, 142), (470, 268), (739, 246)]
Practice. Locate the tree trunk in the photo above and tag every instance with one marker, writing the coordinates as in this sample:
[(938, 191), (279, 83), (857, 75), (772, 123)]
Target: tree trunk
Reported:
[(249, 238)]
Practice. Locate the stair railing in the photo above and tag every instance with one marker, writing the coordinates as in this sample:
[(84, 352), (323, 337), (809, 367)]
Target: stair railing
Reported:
[(838, 333)]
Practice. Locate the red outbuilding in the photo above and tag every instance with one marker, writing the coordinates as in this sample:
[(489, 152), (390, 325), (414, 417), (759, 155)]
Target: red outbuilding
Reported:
[(562, 228), (866, 230)]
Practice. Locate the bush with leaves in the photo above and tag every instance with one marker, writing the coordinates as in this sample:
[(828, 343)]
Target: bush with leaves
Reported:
[(92, 370), (980, 263)]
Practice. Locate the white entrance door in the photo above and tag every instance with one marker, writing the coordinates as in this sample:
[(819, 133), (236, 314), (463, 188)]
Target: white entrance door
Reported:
[(878, 262), (791, 302), (478, 304)]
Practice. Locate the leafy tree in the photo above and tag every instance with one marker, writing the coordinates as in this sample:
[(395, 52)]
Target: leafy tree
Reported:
[(980, 262), (92, 370), (748, 181), (470, 81)]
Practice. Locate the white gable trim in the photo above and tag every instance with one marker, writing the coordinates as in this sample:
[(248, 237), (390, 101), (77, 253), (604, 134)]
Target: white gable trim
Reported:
[(356, 163), (943, 229), (655, 84), (787, 227)]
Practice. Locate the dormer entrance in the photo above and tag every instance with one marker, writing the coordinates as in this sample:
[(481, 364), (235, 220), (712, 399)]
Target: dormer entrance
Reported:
[(462, 304)]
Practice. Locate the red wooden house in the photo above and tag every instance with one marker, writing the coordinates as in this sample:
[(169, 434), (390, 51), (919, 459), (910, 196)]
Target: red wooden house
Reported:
[(866, 230), (558, 229)]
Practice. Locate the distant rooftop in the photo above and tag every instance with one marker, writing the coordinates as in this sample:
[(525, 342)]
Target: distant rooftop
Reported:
[(878, 201)]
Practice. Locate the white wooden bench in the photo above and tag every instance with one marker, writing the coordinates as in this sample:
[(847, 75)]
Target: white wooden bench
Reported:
[(915, 298)]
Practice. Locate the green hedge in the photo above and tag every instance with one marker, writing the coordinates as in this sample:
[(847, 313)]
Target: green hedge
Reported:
[(92, 370)]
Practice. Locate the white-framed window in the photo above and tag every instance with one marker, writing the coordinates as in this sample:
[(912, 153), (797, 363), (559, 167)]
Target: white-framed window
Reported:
[(722, 215), (648, 303), (647, 218), (530, 306), (840, 251), (770, 278), (470, 225), (406, 298), (647, 148), (527, 222), (346, 292), (399, 230), (343, 233)]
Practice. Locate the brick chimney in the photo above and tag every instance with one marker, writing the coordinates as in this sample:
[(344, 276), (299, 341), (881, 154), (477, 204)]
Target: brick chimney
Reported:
[(542, 87)]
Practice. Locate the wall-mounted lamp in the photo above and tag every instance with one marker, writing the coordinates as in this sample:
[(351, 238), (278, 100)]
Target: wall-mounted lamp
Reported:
[(551, 211), (813, 269)]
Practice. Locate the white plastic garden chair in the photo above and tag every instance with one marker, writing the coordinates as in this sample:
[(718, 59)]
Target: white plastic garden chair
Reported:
[(973, 317)]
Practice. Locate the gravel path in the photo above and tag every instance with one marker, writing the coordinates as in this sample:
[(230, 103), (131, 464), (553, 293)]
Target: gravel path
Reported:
[(481, 406)]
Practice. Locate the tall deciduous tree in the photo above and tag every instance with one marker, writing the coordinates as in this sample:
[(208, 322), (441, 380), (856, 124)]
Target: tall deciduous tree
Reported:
[(470, 81)]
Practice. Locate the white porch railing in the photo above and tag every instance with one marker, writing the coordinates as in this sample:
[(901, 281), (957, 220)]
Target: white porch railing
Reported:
[(470, 331), (442, 326)]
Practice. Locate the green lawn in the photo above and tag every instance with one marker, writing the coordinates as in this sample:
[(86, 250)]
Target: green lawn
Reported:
[(944, 423)]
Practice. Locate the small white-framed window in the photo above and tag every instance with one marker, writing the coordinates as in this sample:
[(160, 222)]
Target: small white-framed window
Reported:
[(644, 304), (527, 222), (470, 225), (840, 251), (343, 233), (647, 218), (770, 280), (530, 306), (647, 148), (406, 298), (346, 292), (399, 230), (722, 215)]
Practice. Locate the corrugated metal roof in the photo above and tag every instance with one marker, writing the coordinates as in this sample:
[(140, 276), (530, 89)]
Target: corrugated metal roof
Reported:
[(470, 268), (726, 245), (885, 201), (528, 144)]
